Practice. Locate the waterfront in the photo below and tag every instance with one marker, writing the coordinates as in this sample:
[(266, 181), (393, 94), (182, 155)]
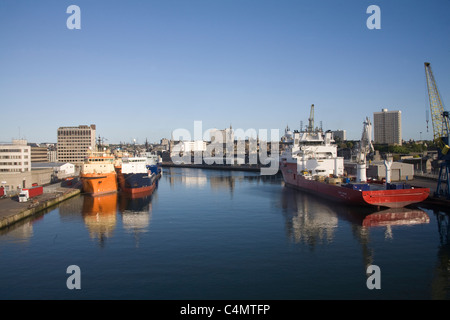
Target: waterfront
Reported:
[(209, 234)]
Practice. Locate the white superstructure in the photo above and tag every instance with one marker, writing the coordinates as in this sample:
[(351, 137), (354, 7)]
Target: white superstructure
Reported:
[(314, 151), (134, 165)]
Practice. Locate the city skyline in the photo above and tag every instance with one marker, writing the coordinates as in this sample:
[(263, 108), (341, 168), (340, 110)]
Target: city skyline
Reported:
[(139, 70)]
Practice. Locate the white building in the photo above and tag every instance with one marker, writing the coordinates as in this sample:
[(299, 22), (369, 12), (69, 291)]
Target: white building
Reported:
[(15, 157), (15, 168), (188, 146)]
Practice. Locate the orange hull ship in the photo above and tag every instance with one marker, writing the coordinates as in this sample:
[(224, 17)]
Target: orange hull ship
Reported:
[(98, 175)]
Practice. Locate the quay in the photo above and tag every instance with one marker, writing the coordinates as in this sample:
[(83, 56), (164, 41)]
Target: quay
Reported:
[(432, 200), (12, 211)]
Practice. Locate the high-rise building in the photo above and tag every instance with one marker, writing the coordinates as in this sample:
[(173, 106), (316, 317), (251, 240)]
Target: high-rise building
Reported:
[(74, 142), (340, 135), (387, 127)]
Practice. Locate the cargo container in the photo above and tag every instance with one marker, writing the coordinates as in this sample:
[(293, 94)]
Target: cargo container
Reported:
[(29, 193)]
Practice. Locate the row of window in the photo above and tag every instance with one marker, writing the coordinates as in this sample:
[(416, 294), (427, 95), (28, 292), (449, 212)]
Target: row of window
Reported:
[(14, 150), (13, 163), (75, 133), (14, 170), (14, 157)]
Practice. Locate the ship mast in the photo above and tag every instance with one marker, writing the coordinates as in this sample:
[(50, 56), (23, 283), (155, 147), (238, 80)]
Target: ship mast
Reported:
[(311, 119)]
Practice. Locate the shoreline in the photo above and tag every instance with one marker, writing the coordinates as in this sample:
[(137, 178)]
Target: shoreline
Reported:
[(12, 211)]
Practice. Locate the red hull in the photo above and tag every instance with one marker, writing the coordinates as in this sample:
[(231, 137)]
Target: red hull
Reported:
[(386, 198), (138, 191)]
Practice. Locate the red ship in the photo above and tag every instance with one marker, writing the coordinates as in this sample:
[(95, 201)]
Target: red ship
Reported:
[(310, 163)]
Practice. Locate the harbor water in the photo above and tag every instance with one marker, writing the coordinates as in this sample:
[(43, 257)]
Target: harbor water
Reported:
[(211, 234)]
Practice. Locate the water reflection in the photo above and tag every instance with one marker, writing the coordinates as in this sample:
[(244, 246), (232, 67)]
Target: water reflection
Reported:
[(99, 215), (136, 214), (20, 232), (189, 177), (313, 221), (307, 220)]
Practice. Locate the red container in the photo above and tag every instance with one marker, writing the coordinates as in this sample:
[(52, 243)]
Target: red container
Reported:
[(35, 191)]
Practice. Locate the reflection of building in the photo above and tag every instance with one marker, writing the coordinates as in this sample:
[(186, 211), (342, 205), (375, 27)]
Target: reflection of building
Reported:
[(309, 220), (223, 182), (74, 142), (19, 232), (189, 177), (136, 213)]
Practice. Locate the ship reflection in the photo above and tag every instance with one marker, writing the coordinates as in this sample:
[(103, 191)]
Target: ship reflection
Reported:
[(307, 220), (136, 213), (99, 214), (312, 220)]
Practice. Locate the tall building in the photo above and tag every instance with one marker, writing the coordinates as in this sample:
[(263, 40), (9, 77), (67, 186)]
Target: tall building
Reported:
[(340, 134), (387, 127), (74, 142)]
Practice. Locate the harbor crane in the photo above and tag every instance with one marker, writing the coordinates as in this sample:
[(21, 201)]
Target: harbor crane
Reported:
[(440, 122)]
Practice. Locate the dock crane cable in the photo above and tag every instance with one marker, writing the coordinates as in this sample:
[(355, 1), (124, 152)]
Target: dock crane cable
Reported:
[(440, 122)]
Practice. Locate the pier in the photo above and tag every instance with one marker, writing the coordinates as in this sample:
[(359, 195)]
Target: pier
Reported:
[(12, 211)]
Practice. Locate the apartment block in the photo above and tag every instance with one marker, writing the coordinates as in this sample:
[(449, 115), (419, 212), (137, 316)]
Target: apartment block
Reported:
[(387, 127)]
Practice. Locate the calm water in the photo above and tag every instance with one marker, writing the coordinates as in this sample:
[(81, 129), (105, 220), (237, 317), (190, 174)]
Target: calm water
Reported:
[(207, 234)]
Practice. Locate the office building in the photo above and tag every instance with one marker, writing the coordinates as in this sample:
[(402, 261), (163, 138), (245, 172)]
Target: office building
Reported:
[(74, 142)]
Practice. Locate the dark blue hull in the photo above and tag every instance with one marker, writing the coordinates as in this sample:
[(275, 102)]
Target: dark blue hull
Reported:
[(136, 182)]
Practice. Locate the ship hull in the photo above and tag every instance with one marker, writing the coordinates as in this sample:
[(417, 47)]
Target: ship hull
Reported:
[(136, 183), (397, 198), (99, 183)]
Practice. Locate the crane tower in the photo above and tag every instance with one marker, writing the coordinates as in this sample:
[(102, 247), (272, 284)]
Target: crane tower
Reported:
[(440, 122)]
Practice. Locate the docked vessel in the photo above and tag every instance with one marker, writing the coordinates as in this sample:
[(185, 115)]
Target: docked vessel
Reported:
[(310, 162), (98, 175), (153, 163), (134, 177)]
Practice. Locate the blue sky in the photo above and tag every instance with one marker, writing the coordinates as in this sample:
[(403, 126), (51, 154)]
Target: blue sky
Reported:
[(141, 69)]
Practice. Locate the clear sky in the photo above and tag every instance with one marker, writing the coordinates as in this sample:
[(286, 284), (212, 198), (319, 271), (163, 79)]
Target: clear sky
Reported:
[(141, 69)]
